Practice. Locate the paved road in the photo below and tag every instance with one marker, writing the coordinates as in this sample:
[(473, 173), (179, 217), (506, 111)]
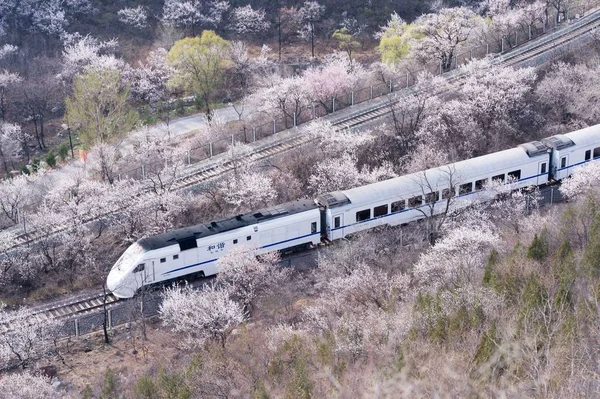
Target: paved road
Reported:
[(194, 122)]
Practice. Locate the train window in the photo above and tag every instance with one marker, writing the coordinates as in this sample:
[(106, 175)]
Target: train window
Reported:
[(447, 193), (363, 215), (515, 175), (248, 238), (415, 201), (313, 227), (431, 197), (188, 243), (380, 210), (498, 178), (543, 168), (588, 155), (235, 241), (563, 162), (175, 257), (465, 188), (480, 184), (336, 222), (163, 260), (397, 206), (596, 152), (139, 268)]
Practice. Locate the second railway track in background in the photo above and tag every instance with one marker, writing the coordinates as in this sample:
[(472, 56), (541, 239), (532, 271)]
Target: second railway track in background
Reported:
[(516, 56)]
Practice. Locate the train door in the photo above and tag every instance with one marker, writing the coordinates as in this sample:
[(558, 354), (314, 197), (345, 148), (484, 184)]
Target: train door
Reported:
[(542, 173), (337, 227), (149, 272), (563, 167)]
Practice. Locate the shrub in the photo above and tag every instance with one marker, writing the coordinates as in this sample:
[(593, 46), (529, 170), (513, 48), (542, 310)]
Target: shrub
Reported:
[(538, 249), (51, 159), (63, 152)]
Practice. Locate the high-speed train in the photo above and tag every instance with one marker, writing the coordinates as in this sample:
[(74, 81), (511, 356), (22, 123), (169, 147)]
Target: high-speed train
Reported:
[(331, 216)]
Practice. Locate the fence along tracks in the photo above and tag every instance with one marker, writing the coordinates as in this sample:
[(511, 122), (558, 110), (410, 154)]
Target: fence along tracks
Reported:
[(518, 55)]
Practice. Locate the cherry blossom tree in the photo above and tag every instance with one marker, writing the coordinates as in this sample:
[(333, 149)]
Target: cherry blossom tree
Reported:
[(505, 21), (83, 52), (208, 313), (511, 206), (161, 159), (149, 81), (337, 76), (76, 198), (27, 386), (13, 140), (408, 112), (334, 141), (7, 49), (486, 115), (456, 259), (7, 81), (246, 276), (568, 93), (191, 14), (440, 35), (584, 180), (17, 193), (308, 14), (9, 258), (102, 159), (287, 97), (134, 16), (246, 20), (248, 189), (342, 174), (29, 336)]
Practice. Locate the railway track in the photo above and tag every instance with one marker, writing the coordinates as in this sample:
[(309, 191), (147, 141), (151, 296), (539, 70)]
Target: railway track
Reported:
[(515, 56), (72, 308)]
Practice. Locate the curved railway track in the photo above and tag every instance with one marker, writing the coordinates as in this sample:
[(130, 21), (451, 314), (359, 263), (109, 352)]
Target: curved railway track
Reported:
[(515, 56)]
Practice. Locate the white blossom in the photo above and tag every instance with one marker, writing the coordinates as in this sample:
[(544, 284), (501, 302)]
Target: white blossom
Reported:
[(134, 16), (245, 20), (342, 174), (7, 49), (584, 179), (26, 386), (205, 314), (29, 335), (249, 188), (245, 276), (337, 76), (456, 259)]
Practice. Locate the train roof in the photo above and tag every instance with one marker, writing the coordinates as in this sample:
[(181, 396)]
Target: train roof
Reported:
[(437, 178), (220, 226), (584, 137)]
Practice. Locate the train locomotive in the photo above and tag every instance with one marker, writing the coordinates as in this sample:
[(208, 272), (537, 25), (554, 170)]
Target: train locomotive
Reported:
[(332, 216)]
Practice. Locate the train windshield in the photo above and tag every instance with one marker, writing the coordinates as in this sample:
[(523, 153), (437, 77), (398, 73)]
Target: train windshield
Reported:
[(130, 255)]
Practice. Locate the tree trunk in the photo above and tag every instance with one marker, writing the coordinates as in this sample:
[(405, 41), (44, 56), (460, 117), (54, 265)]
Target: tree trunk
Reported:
[(312, 39), (279, 36), (105, 314)]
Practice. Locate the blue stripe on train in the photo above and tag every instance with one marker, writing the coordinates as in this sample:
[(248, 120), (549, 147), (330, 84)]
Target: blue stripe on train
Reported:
[(266, 246)]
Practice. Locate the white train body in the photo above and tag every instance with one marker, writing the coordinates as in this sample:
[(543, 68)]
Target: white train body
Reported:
[(194, 250)]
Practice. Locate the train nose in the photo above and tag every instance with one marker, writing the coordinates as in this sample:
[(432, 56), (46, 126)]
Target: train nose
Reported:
[(112, 281), (115, 282)]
